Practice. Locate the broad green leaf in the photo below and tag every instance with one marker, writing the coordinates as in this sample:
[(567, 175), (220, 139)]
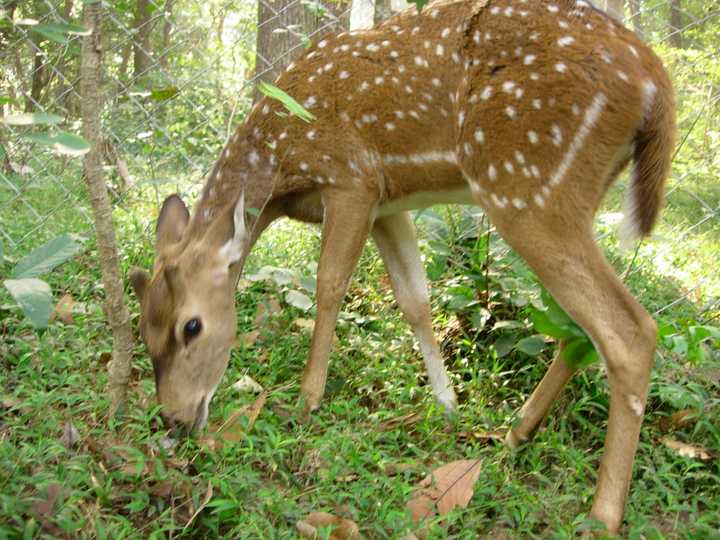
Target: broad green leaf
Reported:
[(64, 143), (544, 325), (46, 257), (34, 297), (532, 346), (579, 353), (163, 94), (58, 32), (32, 119), (419, 4), (298, 300), (293, 107), (554, 311), (505, 344)]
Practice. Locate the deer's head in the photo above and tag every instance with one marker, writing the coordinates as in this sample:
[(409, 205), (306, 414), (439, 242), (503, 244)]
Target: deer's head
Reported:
[(187, 315)]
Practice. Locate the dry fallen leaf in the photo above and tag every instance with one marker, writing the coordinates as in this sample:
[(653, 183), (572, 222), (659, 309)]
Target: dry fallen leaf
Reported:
[(445, 488), (340, 529), (70, 435), (404, 420), (482, 436), (687, 450), (266, 307), (250, 338), (247, 384), (63, 309), (232, 429), (43, 508), (305, 324), (678, 420)]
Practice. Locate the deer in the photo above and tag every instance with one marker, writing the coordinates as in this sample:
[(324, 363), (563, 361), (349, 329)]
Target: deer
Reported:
[(530, 110)]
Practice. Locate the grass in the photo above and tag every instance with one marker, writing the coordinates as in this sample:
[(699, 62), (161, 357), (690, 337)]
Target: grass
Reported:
[(122, 481)]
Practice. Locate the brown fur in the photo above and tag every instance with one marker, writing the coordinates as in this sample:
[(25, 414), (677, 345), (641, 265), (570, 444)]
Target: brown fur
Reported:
[(533, 107)]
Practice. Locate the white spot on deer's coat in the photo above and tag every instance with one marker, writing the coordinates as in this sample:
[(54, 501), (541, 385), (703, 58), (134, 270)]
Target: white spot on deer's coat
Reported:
[(344, 75), (565, 41), (519, 204), (511, 112), (508, 86), (311, 134), (486, 93), (372, 47), (310, 102), (533, 137), (560, 67), (635, 404), (322, 44), (389, 126), (304, 166), (529, 59), (492, 173), (556, 135), (440, 50), (479, 136)]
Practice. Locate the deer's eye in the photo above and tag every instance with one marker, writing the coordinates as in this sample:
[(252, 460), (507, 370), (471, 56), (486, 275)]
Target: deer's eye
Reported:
[(192, 329)]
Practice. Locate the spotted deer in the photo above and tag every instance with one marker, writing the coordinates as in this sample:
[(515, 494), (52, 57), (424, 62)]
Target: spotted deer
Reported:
[(528, 109)]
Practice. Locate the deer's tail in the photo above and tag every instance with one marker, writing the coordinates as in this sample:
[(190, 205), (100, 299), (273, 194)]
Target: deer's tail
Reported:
[(654, 146)]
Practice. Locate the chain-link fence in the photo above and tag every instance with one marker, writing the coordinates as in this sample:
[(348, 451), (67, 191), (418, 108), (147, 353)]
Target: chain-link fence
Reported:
[(179, 75)]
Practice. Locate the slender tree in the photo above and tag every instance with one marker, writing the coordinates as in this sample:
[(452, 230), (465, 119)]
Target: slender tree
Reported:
[(116, 310), (616, 8), (141, 48), (637, 17), (676, 24)]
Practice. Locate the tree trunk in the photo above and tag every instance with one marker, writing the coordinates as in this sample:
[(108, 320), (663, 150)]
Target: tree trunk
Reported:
[(616, 8), (676, 24), (637, 19), (141, 59), (117, 312), (39, 78), (167, 30), (362, 14), (282, 29)]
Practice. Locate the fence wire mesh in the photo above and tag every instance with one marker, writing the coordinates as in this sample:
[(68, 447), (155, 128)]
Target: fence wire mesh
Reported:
[(179, 75)]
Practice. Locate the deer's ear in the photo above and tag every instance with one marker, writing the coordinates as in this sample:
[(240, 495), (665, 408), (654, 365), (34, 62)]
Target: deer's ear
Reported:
[(139, 279), (171, 223), (234, 249)]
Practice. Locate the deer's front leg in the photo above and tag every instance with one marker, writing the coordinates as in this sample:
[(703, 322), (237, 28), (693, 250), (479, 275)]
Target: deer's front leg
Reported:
[(345, 229)]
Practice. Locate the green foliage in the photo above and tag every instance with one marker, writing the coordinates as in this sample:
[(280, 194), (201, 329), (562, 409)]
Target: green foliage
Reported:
[(579, 351), (292, 106), (47, 257), (34, 297), (59, 32), (64, 143), (32, 294)]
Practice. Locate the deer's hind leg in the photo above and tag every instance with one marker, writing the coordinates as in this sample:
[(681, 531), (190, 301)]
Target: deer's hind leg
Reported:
[(537, 406), (397, 243), (541, 193)]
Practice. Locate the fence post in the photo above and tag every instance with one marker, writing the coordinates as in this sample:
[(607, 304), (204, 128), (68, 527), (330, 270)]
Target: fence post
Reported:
[(117, 312)]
